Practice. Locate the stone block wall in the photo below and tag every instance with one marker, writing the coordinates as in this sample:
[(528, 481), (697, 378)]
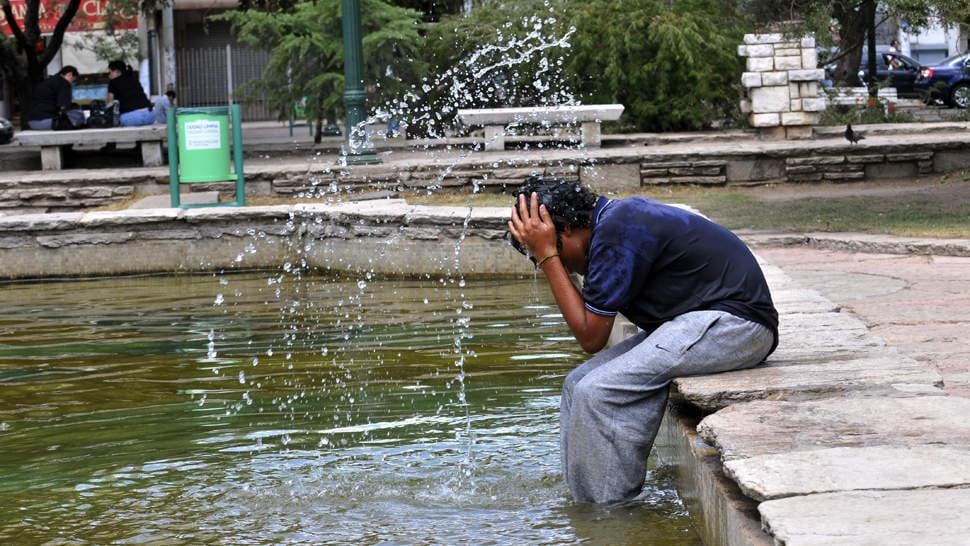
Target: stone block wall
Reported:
[(857, 167), (703, 172), (624, 170), (782, 85)]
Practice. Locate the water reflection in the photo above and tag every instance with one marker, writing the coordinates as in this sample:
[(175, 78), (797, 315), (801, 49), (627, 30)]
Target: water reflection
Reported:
[(142, 411)]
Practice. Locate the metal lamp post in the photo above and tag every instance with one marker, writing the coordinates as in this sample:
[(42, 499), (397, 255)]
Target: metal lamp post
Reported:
[(357, 149)]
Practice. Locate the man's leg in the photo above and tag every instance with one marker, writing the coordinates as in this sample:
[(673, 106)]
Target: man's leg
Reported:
[(565, 402), (613, 412)]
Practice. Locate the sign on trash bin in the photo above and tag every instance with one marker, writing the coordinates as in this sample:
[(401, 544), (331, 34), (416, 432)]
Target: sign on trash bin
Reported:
[(203, 135)]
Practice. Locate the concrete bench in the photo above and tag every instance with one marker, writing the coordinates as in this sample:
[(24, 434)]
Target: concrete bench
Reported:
[(859, 96), (52, 143), (495, 120)]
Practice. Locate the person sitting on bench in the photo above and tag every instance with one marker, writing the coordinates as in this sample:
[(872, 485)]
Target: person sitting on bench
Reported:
[(123, 87), (52, 95)]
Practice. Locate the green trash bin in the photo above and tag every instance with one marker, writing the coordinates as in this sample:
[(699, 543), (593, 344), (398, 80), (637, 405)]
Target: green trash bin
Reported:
[(203, 140), (199, 144)]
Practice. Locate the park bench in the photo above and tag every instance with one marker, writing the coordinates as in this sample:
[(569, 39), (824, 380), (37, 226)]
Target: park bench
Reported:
[(52, 143), (859, 96), (495, 120)]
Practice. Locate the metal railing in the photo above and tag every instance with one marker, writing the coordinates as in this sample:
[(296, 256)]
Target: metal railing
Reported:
[(203, 77)]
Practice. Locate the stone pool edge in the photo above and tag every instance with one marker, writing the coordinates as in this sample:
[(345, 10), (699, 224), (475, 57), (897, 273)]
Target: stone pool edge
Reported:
[(386, 237), (826, 442)]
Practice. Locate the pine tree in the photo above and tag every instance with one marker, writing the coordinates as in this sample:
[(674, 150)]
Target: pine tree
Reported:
[(306, 42)]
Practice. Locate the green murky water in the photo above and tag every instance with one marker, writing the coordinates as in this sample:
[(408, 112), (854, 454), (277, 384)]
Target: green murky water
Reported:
[(273, 409)]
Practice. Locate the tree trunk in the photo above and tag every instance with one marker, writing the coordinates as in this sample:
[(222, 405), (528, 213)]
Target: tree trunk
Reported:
[(871, 54), (853, 20), (318, 131), (27, 39)]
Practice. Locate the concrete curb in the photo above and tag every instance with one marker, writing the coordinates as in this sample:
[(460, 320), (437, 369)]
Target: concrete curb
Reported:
[(860, 242)]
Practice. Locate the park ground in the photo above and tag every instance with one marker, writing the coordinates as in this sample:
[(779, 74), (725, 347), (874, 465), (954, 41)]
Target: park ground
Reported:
[(925, 207)]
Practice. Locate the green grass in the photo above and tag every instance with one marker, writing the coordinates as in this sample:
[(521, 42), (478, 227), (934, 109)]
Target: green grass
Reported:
[(937, 212), (908, 209)]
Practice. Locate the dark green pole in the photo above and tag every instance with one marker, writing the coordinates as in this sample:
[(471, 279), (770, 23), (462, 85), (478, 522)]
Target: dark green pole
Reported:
[(357, 149), (173, 158), (235, 112)]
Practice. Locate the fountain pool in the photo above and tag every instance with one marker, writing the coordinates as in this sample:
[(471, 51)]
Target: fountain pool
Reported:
[(295, 411)]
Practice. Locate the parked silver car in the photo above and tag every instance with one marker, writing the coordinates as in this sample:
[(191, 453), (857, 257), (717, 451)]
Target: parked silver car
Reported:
[(6, 131)]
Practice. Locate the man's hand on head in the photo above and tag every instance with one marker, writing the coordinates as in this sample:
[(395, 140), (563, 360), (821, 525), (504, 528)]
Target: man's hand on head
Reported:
[(533, 228)]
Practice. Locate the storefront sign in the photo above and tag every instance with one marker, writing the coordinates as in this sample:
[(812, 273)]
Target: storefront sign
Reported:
[(91, 15)]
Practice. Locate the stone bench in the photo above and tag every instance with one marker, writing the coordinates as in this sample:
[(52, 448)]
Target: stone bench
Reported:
[(495, 120), (52, 143), (859, 96)]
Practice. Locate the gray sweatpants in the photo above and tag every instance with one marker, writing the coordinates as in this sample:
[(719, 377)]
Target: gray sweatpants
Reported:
[(612, 405)]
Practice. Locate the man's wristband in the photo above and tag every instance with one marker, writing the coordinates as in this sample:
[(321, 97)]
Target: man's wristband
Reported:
[(542, 261)]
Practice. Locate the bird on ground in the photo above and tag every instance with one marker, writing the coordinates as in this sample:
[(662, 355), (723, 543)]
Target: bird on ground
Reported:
[(853, 136)]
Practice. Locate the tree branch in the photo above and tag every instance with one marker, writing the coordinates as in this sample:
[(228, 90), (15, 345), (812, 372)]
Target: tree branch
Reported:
[(843, 51), (18, 33), (58, 36)]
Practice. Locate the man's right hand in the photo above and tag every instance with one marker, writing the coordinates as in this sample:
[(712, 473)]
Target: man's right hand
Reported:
[(534, 230)]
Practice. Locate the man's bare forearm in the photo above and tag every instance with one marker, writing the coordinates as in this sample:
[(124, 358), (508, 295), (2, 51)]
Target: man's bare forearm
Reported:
[(591, 330)]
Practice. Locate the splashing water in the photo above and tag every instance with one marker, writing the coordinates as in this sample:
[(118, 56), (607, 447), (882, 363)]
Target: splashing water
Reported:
[(332, 338)]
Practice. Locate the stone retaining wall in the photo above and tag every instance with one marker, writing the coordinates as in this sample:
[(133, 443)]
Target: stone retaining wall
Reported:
[(386, 237), (616, 169)]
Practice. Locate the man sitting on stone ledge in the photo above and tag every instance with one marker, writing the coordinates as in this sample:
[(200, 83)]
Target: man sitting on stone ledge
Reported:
[(691, 285)]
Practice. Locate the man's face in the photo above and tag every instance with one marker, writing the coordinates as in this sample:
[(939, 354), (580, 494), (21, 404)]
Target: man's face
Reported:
[(70, 77), (572, 249)]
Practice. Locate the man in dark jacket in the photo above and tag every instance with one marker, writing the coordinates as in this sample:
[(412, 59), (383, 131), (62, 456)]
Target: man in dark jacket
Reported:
[(694, 289), (50, 96)]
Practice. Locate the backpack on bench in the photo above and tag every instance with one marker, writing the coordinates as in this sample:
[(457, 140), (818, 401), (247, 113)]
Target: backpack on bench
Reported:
[(102, 116), (68, 119)]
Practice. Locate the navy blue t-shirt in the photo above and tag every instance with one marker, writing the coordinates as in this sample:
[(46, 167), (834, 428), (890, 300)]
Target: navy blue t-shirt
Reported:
[(652, 262)]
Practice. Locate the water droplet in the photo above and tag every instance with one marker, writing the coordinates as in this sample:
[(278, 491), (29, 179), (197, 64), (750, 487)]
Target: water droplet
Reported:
[(219, 299), (242, 377)]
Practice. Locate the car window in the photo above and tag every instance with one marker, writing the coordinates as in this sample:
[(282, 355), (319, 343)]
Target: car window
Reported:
[(900, 62), (957, 59), (880, 62)]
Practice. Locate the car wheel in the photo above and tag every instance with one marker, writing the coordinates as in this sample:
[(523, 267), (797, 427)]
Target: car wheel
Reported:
[(960, 95)]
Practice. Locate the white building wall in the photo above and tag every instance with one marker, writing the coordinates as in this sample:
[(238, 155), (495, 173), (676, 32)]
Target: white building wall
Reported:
[(933, 44)]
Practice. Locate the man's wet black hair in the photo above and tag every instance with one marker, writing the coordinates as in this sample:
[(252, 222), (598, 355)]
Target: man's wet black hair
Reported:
[(570, 204)]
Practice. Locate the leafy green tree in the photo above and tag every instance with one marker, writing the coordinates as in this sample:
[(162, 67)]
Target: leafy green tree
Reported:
[(503, 53), (673, 65), (306, 42), (433, 10), (113, 41)]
